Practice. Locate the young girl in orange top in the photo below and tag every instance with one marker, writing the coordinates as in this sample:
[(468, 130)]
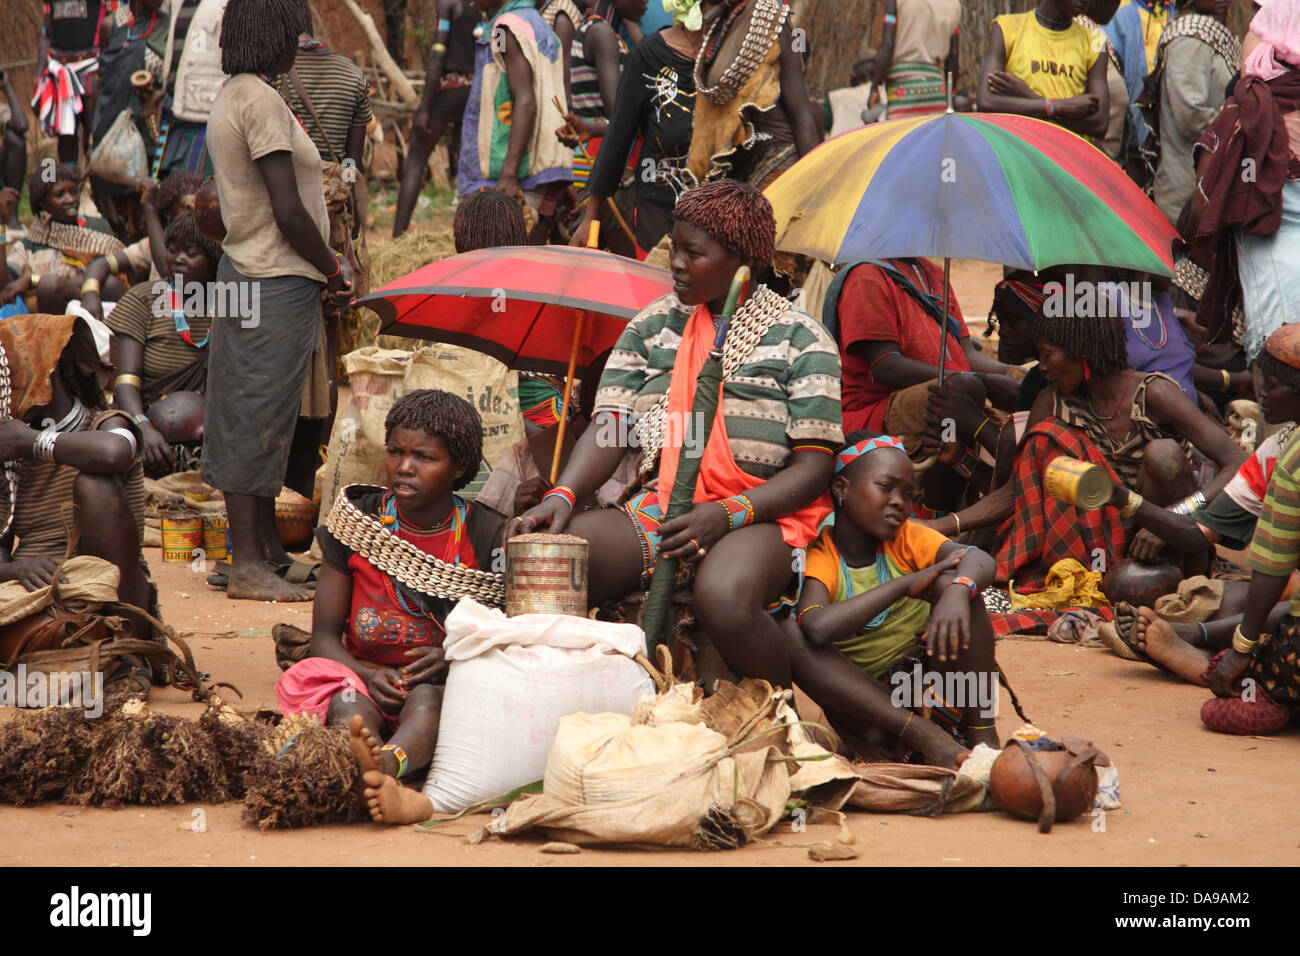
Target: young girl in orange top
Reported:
[(900, 603)]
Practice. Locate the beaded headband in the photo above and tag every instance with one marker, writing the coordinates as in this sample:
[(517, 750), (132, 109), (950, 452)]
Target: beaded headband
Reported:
[(849, 455)]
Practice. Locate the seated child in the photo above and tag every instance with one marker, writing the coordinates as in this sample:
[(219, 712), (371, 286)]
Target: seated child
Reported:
[(376, 662), (890, 595)]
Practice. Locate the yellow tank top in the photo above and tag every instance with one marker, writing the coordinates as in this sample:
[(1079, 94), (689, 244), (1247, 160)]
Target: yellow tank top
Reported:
[(1055, 63)]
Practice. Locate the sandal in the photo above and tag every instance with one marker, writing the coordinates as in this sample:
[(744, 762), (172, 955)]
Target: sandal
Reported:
[(1122, 644)]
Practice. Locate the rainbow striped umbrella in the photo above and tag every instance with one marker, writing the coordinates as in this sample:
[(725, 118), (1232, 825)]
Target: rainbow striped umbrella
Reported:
[(991, 186)]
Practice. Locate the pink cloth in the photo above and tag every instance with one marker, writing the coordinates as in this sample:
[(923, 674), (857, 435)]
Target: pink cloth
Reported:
[(1278, 27), (308, 687)]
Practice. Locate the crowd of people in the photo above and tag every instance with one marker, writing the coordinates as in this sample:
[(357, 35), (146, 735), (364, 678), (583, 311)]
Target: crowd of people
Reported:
[(856, 513)]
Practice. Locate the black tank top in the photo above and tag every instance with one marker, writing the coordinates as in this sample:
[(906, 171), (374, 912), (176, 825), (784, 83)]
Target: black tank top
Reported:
[(73, 24), (459, 57)]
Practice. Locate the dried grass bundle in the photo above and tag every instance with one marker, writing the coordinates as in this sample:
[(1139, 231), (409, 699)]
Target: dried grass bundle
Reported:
[(150, 759), (41, 750), (240, 742), (391, 259), (312, 781)]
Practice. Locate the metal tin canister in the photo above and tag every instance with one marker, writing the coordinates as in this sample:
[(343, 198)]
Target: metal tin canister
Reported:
[(546, 574), (216, 533), (1078, 483), (182, 533)]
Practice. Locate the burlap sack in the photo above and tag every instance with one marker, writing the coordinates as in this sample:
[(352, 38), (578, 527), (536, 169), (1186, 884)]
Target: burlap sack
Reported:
[(914, 788), (486, 384), (1198, 599), (721, 805)]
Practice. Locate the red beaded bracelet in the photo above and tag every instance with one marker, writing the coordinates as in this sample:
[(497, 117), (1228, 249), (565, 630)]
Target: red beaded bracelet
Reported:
[(564, 492)]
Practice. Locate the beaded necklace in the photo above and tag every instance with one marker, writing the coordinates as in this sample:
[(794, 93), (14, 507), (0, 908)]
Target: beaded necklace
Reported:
[(882, 576), (1118, 405), (181, 322), (391, 517), (153, 18)]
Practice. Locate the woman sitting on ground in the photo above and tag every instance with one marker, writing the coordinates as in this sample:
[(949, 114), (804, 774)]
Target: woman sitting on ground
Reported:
[(1256, 681), (1230, 518), (875, 580), (162, 202), (50, 261), (1097, 409), (162, 338), (70, 451), (765, 468), (376, 661)]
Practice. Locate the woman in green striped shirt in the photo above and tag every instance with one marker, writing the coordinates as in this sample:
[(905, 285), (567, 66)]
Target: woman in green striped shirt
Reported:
[(761, 494)]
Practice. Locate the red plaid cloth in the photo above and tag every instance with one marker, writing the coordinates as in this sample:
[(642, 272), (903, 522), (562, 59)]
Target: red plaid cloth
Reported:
[(1034, 620), (1042, 530)]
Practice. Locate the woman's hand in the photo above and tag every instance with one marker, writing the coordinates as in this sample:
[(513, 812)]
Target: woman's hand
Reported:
[(689, 537), (148, 193), (386, 687), (922, 582), (510, 186), (949, 627), (341, 284), (550, 515), (580, 234), (155, 450), (528, 494), (427, 665), (31, 573), (1226, 674), (1146, 547), (10, 292)]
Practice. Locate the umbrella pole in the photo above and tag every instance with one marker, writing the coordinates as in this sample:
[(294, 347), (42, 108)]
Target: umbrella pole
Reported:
[(568, 394), (943, 337), (593, 239)]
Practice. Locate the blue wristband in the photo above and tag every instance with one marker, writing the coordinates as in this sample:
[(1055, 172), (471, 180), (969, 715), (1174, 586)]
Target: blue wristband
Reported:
[(444, 25)]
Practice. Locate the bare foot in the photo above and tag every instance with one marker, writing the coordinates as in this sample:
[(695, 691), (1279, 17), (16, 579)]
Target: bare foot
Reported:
[(364, 746), (1156, 638), (390, 802), (259, 583), (937, 747)]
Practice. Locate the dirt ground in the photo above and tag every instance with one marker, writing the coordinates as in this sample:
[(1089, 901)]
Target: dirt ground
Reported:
[(1184, 788)]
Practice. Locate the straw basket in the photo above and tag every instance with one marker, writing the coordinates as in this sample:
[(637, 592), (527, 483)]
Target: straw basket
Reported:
[(546, 574)]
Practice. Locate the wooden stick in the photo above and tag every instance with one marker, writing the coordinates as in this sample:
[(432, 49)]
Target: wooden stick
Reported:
[(618, 216), (380, 52)]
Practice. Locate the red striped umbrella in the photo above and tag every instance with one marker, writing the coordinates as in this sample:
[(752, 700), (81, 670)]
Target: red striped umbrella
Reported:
[(521, 304)]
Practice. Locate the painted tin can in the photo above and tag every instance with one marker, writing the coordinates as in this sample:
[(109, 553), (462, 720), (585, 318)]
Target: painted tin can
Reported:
[(1078, 483), (182, 534), (216, 535), (546, 574)]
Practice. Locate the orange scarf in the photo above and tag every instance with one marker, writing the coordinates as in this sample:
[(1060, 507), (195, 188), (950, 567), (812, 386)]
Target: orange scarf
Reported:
[(720, 476)]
